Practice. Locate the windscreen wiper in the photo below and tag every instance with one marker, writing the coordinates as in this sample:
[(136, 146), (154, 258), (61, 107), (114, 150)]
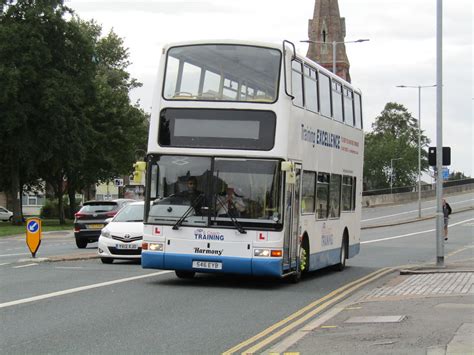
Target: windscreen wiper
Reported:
[(188, 211), (232, 217)]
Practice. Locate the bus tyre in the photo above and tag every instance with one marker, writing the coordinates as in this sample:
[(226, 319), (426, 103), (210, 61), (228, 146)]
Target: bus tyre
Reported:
[(296, 276), (81, 244), (304, 256), (302, 264), (107, 260), (184, 274), (342, 255)]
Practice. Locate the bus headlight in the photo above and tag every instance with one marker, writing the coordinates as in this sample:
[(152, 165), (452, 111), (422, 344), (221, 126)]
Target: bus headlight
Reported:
[(264, 252), (156, 246), (261, 252)]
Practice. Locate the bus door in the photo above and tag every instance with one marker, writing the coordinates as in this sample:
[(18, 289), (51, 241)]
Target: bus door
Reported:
[(292, 202)]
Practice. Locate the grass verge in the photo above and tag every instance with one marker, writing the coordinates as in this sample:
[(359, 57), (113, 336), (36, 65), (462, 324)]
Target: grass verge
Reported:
[(47, 225)]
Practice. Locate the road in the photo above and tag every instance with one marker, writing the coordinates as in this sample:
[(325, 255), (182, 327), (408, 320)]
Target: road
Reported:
[(84, 306)]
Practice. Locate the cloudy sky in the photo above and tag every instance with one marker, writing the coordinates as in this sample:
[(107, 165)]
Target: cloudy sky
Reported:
[(401, 51)]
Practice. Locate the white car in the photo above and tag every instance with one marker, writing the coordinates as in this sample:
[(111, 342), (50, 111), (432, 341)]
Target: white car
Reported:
[(123, 235), (5, 215)]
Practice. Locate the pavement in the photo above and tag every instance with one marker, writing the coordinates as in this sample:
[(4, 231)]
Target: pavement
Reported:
[(418, 310)]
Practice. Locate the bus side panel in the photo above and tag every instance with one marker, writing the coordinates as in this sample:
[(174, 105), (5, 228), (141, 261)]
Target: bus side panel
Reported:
[(324, 258), (353, 250)]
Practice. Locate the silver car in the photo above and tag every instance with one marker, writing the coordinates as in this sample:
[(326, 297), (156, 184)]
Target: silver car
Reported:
[(5, 215)]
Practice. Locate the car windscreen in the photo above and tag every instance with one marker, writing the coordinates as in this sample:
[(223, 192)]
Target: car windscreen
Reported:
[(98, 208), (130, 213)]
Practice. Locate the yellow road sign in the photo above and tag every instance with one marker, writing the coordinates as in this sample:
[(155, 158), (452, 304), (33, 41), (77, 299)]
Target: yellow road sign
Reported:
[(33, 234)]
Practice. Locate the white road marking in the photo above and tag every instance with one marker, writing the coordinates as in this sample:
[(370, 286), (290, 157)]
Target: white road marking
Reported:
[(4, 264), (78, 289), (21, 266), (410, 234), (395, 214), (14, 254), (406, 212)]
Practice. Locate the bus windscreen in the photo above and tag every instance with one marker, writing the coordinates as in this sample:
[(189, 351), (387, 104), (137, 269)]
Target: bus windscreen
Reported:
[(221, 72)]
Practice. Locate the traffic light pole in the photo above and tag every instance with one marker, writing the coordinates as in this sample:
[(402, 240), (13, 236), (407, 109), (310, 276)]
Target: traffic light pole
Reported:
[(439, 135)]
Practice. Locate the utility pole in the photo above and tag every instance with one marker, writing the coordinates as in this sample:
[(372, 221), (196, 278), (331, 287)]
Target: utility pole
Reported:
[(439, 134)]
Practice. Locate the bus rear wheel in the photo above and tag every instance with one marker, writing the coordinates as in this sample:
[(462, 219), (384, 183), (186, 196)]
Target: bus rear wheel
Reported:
[(184, 274), (343, 254)]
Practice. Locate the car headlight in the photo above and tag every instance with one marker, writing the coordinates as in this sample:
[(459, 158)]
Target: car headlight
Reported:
[(106, 233)]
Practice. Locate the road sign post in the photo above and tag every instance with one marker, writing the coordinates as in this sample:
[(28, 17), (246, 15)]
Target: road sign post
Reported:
[(33, 235)]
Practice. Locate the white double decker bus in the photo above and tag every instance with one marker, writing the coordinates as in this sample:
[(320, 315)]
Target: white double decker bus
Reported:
[(254, 162)]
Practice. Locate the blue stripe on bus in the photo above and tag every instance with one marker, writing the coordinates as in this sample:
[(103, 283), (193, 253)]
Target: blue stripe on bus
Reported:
[(330, 257), (234, 265)]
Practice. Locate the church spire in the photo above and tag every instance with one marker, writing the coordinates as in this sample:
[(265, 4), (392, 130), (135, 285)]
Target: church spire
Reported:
[(328, 26)]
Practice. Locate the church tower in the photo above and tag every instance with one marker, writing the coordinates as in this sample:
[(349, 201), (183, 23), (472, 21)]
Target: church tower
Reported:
[(327, 27)]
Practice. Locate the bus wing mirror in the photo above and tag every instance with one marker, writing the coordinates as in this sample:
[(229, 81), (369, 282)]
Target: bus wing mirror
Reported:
[(287, 166), (291, 177)]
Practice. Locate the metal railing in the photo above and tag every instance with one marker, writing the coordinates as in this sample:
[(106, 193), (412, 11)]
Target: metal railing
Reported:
[(414, 188)]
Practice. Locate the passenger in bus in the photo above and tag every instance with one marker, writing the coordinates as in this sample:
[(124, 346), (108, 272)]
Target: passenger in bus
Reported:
[(230, 204)]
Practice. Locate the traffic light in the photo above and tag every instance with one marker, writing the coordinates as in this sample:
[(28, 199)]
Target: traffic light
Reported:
[(140, 167), (446, 159)]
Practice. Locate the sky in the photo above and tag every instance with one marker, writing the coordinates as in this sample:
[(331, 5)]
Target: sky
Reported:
[(401, 50)]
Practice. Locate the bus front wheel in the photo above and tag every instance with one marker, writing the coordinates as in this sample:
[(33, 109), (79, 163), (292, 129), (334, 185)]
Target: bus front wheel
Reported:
[(184, 274)]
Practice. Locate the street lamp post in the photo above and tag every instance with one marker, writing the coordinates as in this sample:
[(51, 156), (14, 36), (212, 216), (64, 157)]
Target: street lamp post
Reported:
[(391, 172), (334, 44), (419, 87)]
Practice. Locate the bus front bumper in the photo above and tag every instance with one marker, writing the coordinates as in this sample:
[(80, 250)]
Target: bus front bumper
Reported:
[(233, 265)]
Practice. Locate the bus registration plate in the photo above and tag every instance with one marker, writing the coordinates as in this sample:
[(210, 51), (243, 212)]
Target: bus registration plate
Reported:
[(207, 265)]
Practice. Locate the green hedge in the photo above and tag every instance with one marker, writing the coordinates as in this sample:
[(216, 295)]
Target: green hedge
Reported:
[(50, 209)]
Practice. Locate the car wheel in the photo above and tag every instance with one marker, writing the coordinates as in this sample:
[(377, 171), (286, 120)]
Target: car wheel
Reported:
[(81, 244), (184, 274), (107, 260), (10, 219)]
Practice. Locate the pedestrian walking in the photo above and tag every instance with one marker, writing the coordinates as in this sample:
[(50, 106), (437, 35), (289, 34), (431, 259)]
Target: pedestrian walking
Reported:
[(446, 212)]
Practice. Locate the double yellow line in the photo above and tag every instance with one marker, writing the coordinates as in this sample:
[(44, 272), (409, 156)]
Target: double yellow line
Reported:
[(269, 335)]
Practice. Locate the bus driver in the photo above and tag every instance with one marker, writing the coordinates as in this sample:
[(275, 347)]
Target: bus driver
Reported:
[(230, 202)]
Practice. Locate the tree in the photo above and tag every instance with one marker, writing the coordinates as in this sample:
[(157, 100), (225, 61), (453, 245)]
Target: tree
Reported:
[(457, 175), (118, 128), (65, 114), (393, 142), (31, 39)]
